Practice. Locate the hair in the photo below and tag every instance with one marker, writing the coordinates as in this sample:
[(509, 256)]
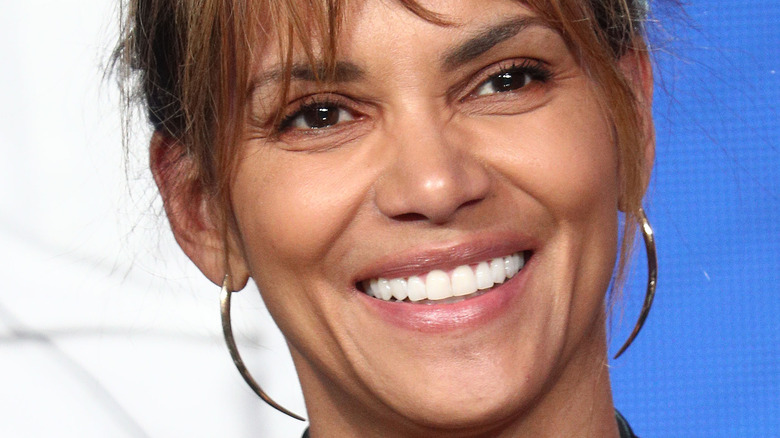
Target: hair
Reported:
[(189, 62)]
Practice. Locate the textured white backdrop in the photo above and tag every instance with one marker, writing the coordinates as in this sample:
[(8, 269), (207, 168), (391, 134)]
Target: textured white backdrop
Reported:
[(106, 330)]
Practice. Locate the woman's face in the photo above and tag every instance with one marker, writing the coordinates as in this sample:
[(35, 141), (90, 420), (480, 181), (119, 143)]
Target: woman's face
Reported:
[(438, 154)]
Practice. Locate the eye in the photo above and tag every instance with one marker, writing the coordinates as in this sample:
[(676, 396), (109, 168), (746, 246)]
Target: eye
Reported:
[(316, 115), (513, 78)]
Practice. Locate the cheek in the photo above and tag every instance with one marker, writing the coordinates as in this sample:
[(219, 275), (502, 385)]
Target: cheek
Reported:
[(291, 207), (562, 155)]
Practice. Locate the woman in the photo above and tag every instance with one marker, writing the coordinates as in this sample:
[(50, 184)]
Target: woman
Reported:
[(427, 195)]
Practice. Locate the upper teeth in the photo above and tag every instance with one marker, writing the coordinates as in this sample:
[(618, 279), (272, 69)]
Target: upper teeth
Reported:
[(440, 285)]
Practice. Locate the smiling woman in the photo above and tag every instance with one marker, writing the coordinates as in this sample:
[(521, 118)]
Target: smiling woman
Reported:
[(427, 195)]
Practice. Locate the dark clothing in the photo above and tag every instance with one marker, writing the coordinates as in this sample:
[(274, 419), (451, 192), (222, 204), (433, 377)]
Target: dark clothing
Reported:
[(623, 427)]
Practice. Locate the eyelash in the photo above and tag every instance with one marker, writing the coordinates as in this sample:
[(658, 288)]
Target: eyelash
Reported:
[(531, 69), (309, 103)]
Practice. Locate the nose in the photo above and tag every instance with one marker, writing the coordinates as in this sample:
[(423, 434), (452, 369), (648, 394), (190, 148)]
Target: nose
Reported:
[(429, 176)]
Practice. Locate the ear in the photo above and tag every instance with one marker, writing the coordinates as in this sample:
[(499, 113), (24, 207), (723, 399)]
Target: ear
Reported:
[(637, 68), (197, 226)]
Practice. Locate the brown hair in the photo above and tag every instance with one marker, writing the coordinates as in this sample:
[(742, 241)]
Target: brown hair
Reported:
[(189, 60)]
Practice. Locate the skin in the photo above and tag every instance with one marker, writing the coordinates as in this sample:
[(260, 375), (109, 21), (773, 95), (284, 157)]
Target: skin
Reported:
[(425, 158)]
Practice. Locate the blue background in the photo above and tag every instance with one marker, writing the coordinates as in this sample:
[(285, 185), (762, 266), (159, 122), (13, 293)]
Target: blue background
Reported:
[(707, 363)]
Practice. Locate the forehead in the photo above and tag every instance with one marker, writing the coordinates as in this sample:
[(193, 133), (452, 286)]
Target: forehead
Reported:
[(458, 29)]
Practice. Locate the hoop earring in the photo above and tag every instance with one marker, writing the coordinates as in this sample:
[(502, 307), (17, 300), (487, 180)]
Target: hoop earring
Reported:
[(652, 278), (227, 330)]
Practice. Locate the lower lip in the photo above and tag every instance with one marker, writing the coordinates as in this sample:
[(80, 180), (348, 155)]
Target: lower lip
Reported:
[(434, 318)]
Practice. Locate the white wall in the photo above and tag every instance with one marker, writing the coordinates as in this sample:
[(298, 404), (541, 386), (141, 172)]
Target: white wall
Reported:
[(105, 328)]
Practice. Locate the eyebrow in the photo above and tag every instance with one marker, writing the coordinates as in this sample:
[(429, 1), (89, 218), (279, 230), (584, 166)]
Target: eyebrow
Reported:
[(485, 40), (343, 71)]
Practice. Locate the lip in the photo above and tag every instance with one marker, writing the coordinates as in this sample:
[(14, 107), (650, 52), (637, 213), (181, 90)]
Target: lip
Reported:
[(469, 313), (418, 261)]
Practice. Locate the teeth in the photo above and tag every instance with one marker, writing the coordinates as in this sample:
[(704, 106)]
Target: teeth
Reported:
[(497, 270), (511, 266), (464, 281), (439, 285), (416, 289), (371, 288), (384, 289), (484, 279), (399, 288)]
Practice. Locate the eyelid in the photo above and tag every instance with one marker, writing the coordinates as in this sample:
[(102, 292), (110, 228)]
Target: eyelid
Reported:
[(294, 108), (325, 139), (499, 67)]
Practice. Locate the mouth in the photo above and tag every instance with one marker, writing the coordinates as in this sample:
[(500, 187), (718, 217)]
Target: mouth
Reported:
[(442, 287)]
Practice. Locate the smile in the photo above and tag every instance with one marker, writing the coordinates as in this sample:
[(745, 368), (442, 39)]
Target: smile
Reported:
[(439, 287)]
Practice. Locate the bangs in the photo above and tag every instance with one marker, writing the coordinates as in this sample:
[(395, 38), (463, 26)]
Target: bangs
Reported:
[(313, 27)]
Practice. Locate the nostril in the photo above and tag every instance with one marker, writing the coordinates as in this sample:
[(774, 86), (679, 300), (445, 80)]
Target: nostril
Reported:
[(471, 202), (416, 217), (410, 217)]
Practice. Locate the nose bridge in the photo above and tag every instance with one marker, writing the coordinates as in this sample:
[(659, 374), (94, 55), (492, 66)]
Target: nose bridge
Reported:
[(429, 174)]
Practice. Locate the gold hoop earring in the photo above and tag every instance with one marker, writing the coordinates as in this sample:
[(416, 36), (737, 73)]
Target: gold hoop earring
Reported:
[(652, 278), (227, 330)]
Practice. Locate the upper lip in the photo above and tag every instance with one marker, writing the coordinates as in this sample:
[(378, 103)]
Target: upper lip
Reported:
[(444, 256)]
